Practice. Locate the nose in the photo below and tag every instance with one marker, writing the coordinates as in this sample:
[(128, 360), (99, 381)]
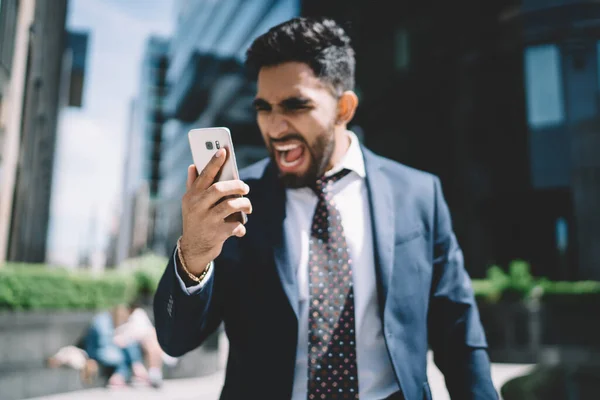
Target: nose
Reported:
[(278, 126)]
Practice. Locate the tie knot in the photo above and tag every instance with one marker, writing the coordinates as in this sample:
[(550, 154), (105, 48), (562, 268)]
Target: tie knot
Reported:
[(322, 184)]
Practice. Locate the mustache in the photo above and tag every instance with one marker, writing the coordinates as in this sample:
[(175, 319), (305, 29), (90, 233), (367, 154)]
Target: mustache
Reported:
[(291, 136)]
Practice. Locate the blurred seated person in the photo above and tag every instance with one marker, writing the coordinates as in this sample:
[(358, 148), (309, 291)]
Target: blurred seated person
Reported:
[(116, 339), (139, 329), (76, 358)]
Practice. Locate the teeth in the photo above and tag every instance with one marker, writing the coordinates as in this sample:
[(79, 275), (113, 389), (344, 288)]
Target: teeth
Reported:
[(286, 147)]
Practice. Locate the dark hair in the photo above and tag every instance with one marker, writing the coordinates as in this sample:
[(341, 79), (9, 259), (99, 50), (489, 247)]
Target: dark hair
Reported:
[(321, 43)]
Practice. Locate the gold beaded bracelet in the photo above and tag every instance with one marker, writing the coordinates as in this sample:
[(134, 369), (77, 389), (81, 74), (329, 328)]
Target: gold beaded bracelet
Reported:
[(183, 266)]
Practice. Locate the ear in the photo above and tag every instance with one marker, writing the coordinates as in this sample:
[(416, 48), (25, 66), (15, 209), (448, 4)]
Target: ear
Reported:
[(347, 104)]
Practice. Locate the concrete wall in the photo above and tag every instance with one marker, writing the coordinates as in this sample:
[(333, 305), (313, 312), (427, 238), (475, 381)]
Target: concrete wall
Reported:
[(27, 339)]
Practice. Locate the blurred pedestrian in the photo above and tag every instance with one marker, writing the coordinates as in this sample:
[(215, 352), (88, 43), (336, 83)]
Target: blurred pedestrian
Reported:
[(348, 269), (124, 359), (119, 339), (139, 329), (76, 358)]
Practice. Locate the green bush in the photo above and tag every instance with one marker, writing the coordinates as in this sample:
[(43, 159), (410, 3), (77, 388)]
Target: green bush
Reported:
[(569, 288), (486, 290), (519, 284), (39, 287), (570, 292), (35, 287), (147, 271), (514, 285), (521, 281)]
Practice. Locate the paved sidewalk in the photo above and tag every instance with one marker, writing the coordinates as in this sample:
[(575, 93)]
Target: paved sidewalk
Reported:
[(209, 387), (205, 388)]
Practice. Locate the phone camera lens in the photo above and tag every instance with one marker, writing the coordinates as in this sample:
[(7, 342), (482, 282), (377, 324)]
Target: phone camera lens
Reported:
[(217, 144), (209, 145)]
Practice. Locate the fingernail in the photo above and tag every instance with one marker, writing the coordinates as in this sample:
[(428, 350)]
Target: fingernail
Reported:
[(247, 187), (219, 153)]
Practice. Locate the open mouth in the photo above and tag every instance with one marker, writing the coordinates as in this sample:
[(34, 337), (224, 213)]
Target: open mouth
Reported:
[(290, 156)]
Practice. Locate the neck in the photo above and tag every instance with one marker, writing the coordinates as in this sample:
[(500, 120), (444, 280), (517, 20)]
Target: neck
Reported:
[(342, 144)]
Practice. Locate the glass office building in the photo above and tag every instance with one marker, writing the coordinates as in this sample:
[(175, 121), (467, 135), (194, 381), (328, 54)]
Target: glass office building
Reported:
[(208, 87), (499, 99), (144, 151)]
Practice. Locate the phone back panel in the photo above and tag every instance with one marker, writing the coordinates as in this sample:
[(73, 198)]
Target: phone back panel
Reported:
[(202, 152), (204, 143)]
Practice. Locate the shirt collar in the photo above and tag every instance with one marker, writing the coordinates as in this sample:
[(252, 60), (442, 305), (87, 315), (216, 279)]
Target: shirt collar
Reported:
[(352, 160)]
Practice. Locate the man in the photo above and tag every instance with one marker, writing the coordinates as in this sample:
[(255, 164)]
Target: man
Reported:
[(348, 267)]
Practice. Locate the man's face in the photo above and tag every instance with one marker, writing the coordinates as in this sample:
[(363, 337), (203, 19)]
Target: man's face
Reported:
[(296, 114)]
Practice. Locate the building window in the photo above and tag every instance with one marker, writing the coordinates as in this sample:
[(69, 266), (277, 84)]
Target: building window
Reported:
[(543, 86), (8, 25), (401, 50), (598, 63)]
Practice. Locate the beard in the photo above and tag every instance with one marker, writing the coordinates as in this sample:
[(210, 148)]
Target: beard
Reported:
[(320, 152)]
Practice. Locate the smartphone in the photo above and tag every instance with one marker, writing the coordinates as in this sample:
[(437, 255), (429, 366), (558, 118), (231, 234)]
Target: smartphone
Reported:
[(204, 143)]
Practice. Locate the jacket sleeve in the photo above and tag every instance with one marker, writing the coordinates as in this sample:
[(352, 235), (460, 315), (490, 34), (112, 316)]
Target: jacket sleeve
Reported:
[(456, 335), (183, 320)]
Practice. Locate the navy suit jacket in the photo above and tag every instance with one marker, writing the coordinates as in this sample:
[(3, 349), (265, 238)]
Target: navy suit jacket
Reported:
[(424, 292)]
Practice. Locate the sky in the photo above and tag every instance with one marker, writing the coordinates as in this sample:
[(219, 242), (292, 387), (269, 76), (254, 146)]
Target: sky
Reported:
[(88, 171)]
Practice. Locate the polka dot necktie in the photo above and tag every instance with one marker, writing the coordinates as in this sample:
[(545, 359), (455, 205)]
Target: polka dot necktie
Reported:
[(332, 371)]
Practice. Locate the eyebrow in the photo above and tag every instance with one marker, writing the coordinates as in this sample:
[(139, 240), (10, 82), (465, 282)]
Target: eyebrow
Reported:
[(290, 102), (258, 102)]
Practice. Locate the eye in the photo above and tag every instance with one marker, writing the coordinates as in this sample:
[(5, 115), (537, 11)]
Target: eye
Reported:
[(261, 105), (296, 107)]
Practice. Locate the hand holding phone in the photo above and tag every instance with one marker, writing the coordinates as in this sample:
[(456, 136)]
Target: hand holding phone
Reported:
[(213, 208)]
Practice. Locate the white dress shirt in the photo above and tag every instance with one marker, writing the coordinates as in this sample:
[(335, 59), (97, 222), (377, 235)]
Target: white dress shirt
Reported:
[(375, 372)]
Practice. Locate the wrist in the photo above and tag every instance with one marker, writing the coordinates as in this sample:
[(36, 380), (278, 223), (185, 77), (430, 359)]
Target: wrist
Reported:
[(196, 264), (194, 270)]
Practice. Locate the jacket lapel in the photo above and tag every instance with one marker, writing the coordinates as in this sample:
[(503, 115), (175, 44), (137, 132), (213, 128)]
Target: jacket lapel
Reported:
[(274, 201), (382, 216)]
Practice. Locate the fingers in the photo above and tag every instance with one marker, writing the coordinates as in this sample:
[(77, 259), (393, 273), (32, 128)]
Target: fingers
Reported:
[(233, 229), (192, 174), (223, 189), (239, 230), (208, 174), (231, 206)]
